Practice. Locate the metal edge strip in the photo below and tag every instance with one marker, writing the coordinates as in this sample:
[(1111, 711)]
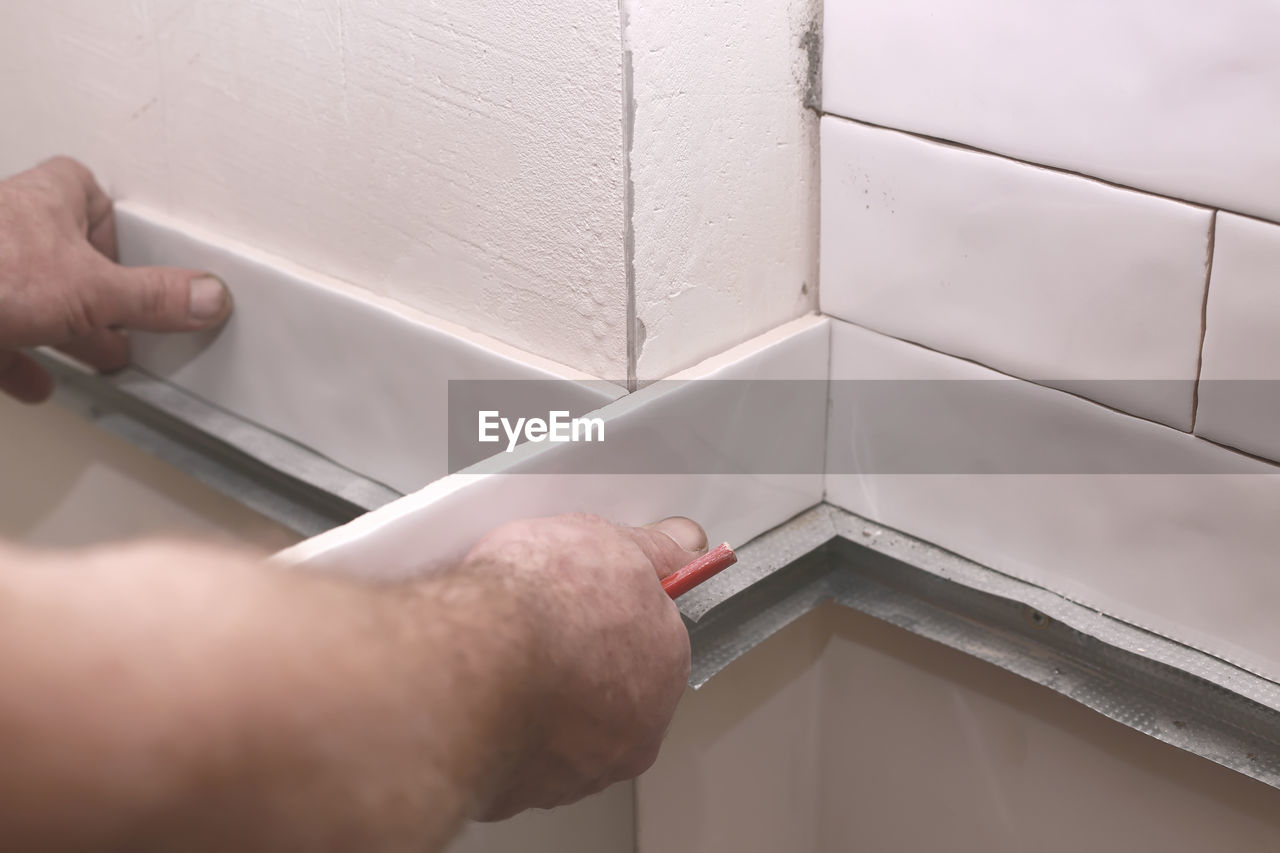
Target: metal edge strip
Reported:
[(269, 473)]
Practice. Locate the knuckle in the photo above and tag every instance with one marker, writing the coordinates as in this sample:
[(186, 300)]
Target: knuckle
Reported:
[(510, 531), (63, 161), (154, 298), (79, 323), (48, 206), (77, 318), (62, 185), (150, 296), (512, 542), (67, 168)]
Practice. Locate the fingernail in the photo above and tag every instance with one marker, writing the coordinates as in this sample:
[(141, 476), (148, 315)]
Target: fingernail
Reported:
[(208, 299), (685, 532)]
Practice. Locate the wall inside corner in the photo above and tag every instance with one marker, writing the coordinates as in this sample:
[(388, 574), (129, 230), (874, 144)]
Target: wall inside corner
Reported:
[(462, 156), (723, 169)]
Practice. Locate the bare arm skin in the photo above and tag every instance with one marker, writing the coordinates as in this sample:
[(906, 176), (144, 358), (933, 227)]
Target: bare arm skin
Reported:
[(169, 696), (181, 697)]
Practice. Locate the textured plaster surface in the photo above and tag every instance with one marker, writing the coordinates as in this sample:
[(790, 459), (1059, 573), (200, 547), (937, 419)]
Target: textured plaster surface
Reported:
[(464, 158), (723, 169)]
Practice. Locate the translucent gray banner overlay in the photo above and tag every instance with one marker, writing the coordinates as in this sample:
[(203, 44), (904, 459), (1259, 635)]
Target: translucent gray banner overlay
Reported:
[(780, 427)]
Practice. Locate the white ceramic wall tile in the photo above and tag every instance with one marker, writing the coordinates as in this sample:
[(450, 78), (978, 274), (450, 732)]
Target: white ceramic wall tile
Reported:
[(1043, 275), (697, 473), (1190, 556), (1239, 392), (361, 380), (1175, 96)]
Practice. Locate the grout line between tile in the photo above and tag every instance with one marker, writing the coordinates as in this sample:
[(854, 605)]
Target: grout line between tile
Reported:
[(826, 420), (951, 143), (1235, 450), (1238, 452), (1204, 318), (628, 197), (1000, 372), (813, 44)]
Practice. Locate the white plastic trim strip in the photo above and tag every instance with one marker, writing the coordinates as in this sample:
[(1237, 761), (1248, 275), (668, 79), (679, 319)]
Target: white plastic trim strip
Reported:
[(358, 378), (435, 526)]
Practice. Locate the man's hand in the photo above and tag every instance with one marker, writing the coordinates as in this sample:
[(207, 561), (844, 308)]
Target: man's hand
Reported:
[(611, 651), (187, 697), (60, 285)]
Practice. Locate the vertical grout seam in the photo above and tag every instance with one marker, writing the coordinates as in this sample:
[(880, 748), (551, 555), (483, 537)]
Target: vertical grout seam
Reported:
[(1204, 318), (826, 421), (813, 44), (629, 267), (628, 197)]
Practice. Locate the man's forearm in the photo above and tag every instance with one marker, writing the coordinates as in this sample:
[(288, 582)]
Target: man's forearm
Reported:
[(186, 697), (178, 696)]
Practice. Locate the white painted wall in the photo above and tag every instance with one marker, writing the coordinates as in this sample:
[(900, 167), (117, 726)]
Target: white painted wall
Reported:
[(926, 748), (739, 770), (724, 173), (604, 823), (463, 157), (65, 483), (466, 158), (844, 733)]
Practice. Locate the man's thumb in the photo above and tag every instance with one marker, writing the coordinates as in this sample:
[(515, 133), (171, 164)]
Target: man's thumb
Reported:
[(166, 299), (671, 543)]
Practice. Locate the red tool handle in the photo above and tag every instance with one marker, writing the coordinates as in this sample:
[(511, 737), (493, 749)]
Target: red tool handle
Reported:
[(707, 566)]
